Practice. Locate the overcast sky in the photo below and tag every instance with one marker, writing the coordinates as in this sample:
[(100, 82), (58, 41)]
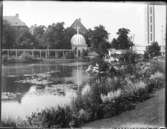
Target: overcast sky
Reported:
[(110, 14)]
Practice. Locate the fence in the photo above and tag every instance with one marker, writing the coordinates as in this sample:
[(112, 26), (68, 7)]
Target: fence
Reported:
[(38, 53)]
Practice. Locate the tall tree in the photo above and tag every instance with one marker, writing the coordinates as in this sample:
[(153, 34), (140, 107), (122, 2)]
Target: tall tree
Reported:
[(88, 37), (54, 35), (123, 41), (69, 32), (97, 39), (9, 36), (38, 32), (99, 35), (25, 39)]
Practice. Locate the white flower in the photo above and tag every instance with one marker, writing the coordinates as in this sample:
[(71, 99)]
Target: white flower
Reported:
[(86, 90), (157, 75), (111, 95), (89, 68)]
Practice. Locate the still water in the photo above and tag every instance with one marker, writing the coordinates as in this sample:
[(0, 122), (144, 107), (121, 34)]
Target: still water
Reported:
[(28, 88)]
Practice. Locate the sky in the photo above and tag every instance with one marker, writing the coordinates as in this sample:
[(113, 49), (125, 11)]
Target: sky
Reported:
[(112, 15)]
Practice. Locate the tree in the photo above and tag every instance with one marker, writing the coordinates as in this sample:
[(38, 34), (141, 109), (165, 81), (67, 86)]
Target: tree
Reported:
[(123, 41), (54, 35), (9, 36), (152, 50), (38, 32), (114, 44), (97, 39), (88, 37), (69, 32), (25, 39)]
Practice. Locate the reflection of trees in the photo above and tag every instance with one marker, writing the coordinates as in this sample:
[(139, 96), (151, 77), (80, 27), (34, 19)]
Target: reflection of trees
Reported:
[(12, 97), (17, 90)]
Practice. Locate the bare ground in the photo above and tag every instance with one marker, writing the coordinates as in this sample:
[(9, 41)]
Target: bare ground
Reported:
[(149, 113)]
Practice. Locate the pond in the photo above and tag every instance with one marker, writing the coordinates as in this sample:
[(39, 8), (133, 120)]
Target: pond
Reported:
[(28, 88)]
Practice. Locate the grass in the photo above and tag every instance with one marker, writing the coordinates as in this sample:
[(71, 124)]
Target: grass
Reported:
[(149, 113)]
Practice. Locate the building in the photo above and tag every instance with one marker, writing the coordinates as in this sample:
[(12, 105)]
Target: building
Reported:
[(15, 21), (78, 43), (153, 27), (150, 23), (82, 28)]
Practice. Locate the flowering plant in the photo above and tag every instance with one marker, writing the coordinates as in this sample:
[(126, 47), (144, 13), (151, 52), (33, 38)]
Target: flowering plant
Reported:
[(110, 95)]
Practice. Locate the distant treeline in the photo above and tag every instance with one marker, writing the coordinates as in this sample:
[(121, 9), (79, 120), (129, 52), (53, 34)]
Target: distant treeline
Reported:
[(56, 36)]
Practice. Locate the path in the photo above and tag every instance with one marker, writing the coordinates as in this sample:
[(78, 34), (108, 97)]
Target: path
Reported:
[(149, 113)]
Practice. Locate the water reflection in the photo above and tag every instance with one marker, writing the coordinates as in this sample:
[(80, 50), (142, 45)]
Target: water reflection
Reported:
[(29, 88)]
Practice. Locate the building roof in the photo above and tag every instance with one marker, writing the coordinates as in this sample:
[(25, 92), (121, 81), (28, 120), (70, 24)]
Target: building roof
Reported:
[(77, 23), (14, 20)]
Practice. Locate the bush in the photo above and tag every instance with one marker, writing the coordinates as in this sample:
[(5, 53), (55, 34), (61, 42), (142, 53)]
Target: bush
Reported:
[(129, 57), (61, 117), (8, 123), (69, 55), (4, 58), (26, 57), (152, 50), (84, 53)]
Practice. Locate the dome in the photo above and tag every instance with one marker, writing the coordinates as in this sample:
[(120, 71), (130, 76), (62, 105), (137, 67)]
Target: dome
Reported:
[(78, 40)]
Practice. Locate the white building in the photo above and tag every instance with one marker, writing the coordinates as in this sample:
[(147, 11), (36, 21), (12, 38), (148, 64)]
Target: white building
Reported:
[(78, 43), (154, 27)]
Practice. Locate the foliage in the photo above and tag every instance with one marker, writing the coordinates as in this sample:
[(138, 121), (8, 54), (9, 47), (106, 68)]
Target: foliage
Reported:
[(84, 53), (129, 57), (152, 50), (95, 105), (4, 58), (8, 123), (69, 55), (54, 35), (61, 117), (9, 36), (123, 41), (110, 96), (26, 56), (38, 32), (68, 33), (25, 39), (97, 39)]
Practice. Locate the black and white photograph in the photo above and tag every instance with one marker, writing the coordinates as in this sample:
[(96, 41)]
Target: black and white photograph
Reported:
[(84, 64)]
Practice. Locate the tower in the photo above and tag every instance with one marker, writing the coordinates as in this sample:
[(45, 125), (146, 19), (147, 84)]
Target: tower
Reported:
[(150, 23)]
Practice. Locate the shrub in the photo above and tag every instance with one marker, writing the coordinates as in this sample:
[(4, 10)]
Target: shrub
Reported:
[(157, 75), (110, 95), (84, 53), (130, 57), (26, 57), (69, 55), (4, 58), (60, 117), (157, 80), (152, 50), (8, 123)]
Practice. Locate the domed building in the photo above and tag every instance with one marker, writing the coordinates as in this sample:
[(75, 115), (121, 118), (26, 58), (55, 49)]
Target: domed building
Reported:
[(78, 43)]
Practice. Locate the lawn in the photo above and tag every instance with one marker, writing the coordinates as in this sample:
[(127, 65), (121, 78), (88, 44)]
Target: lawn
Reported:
[(149, 113)]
